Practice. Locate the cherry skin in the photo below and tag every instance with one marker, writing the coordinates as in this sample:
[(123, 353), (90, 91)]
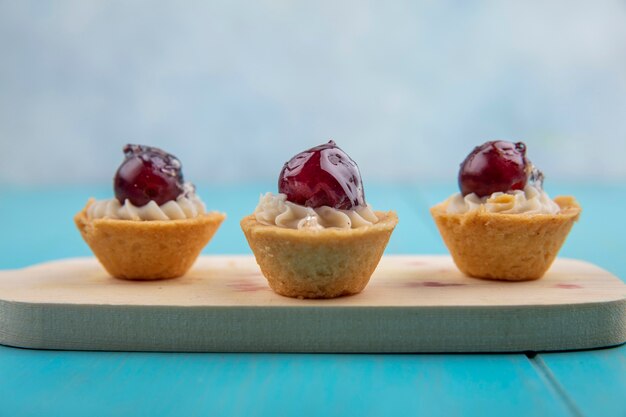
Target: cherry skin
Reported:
[(322, 176), (494, 166), (148, 174)]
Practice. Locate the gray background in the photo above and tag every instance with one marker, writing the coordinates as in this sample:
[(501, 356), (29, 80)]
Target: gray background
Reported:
[(234, 89)]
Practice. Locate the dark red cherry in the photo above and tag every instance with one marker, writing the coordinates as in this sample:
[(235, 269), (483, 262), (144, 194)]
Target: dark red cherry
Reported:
[(148, 174), (494, 166), (322, 176)]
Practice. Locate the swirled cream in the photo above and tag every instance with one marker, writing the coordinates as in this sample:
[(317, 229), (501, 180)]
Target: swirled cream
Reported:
[(531, 200), (275, 210), (186, 206)]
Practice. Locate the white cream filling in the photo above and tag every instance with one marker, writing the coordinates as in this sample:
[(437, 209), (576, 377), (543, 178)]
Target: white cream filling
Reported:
[(186, 206), (274, 209), (531, 200)]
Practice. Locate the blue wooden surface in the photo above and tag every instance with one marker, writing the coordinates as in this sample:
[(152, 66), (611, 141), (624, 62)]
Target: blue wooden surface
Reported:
[(118, 383)]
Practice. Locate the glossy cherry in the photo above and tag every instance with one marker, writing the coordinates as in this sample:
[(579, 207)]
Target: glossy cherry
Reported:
[(148, 174), (322, 176), (494, 166)]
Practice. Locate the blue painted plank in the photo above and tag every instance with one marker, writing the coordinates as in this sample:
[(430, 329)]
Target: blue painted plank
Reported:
[(37, 225), (594, 380), (150, 384)]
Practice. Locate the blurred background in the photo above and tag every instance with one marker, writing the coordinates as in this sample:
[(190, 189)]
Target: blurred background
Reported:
[(234, 89)]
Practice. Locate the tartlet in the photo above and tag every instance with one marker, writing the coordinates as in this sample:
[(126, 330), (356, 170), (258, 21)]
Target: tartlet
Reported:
[(317, 239), (513, 243), (147, 250), (318, 263), (505, 246), (156, 226)]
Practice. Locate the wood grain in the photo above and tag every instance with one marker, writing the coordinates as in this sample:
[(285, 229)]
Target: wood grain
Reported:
[(413, 304)]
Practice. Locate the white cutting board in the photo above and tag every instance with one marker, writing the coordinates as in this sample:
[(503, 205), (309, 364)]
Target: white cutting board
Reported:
[(412, 304)]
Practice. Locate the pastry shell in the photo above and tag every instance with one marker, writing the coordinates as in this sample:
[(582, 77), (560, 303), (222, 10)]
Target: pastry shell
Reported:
[(147, 250), (512, 247), (323, 263)]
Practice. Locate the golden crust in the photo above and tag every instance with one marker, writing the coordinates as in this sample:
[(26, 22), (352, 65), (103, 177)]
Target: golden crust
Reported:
[(147, 250), (511, 247), (325, 263)]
